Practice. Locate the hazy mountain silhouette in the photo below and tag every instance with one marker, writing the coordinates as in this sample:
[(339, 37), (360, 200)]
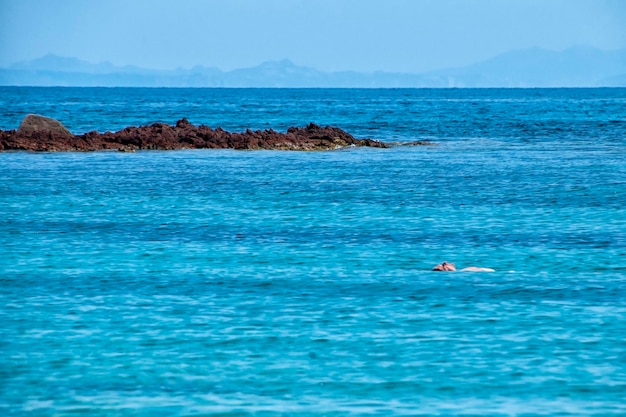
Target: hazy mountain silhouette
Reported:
[(574, 67)]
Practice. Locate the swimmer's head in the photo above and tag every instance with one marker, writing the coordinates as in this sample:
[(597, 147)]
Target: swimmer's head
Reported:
[(445, 266)]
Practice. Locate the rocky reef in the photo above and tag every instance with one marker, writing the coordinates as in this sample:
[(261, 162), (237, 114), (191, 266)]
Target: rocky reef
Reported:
[(38, 133)]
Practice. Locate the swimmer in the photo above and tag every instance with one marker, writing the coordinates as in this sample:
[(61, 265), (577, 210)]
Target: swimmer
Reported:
[(445, 266)]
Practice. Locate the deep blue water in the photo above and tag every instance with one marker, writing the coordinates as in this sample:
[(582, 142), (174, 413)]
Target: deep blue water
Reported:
[(218, 282)]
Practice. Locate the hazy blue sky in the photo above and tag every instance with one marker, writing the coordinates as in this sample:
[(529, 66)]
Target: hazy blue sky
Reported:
[(366, 35)]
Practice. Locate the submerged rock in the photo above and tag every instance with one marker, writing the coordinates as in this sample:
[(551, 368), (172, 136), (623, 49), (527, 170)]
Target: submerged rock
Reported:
[(38, 133)]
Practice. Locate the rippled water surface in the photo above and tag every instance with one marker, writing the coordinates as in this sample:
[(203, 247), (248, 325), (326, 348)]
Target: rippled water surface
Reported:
[(290, 283)]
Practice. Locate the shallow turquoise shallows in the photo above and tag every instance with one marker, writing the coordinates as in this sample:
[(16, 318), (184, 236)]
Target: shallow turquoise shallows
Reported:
[(218, 282)]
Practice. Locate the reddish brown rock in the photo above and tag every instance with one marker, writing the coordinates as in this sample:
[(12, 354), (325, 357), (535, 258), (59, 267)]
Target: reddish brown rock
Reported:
[(42, 134)]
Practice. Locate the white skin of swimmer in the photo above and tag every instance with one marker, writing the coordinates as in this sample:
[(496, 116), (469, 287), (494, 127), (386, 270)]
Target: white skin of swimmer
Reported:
[(477, 269), (445, 266)]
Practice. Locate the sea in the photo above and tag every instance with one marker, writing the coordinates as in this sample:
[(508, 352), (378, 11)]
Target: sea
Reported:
[(285, 283)]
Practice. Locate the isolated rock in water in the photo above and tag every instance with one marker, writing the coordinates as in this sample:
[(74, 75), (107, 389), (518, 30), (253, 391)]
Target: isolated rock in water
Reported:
[(34, 123), (37, 133)]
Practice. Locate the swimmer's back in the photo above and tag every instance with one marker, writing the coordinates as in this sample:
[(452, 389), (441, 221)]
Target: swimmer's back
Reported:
[(477, 269)]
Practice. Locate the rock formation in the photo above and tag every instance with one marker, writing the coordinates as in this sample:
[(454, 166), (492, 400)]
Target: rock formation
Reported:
[(34, 123), (37, 133)]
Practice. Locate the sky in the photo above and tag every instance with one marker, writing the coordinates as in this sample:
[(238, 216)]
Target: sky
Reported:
[(329, 35)]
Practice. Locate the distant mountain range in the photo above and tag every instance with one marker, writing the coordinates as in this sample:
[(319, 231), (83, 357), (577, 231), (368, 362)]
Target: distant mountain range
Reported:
[(573, 67)]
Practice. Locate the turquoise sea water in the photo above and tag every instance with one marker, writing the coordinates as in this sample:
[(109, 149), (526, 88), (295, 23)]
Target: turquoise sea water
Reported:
[(218, 282)]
